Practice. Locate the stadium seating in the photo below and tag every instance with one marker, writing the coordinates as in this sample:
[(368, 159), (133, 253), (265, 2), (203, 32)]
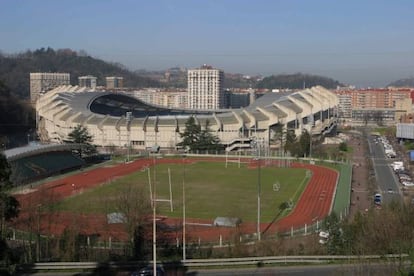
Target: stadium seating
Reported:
[(35, 167)]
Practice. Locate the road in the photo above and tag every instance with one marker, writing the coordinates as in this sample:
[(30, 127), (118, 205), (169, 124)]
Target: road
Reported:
[(311, 270), (388, 184), (368, 268)]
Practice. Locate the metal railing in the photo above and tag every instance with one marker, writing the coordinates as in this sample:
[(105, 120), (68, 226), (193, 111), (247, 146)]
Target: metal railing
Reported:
[(73, 266)]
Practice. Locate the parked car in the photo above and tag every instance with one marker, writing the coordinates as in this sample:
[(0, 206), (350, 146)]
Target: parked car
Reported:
[(149, 271)]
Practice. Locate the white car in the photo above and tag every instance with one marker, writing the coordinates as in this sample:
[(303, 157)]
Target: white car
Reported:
[(322, 241), (408, 183), (324, 234)]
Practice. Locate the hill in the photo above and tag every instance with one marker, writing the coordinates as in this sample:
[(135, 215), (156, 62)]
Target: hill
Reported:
[(17, 119), (296, 81), (408, 82), (15, 69)]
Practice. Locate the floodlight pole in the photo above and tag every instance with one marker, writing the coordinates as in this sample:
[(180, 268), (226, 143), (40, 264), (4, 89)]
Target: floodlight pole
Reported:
[(38, 233), (184, 214), (256, 145), (128, 125), (258, 193), (154, 227)]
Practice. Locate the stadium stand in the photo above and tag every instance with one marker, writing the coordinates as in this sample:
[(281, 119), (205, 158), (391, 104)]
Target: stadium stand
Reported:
[(32, 163)]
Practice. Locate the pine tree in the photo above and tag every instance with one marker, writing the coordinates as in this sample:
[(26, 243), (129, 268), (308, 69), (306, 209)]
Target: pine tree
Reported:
[(80, 135)]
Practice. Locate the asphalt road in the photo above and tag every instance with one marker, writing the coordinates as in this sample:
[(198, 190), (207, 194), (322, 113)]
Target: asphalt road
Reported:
[(309, 270), (391, 268), (388, 184)]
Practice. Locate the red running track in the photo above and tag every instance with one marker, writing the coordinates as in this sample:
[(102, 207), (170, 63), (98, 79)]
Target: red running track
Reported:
[(314, 204)]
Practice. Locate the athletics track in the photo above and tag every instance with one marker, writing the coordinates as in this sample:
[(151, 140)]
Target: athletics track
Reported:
[(314, 204)]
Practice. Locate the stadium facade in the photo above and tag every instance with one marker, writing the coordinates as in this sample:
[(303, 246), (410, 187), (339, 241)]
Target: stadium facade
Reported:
[(118, 119)]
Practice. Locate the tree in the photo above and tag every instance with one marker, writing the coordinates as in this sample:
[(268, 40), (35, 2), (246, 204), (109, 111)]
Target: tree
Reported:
[(343, 146), (336, 243), (9, 207), (134, 204), (290, 144), (278, 136), (80, 135), (304, 142), (5, 173), (195, 138), (191, 135), (208, 141)]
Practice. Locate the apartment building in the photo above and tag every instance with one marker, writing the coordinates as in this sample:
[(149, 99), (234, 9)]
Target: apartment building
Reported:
[(205, 88), (176, 98), (43, 82), (114, 82), (370, 105), (87, 81)]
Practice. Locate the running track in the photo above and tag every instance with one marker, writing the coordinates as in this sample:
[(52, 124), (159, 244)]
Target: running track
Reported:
[(314, 204)]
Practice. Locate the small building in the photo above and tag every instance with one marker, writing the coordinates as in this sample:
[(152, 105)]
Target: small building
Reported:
[(227, 222)]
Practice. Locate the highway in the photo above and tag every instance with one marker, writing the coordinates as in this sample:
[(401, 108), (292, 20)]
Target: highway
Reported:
[(388, 184)]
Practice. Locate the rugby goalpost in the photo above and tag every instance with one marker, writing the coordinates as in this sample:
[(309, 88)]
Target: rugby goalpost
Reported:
[(160, 199), (230, 160)]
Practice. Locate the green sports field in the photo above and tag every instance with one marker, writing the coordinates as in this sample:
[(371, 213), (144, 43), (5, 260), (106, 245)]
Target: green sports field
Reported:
[(211, 190)]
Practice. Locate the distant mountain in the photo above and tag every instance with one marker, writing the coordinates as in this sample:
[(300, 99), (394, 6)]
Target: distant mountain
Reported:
[(15, 69), (408, 82), (296, 81)]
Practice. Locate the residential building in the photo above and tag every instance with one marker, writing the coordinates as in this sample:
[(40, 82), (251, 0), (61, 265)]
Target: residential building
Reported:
[(87, 81), (176, 98), (43, 82), (205, 88), (114, 82), (374, 105)]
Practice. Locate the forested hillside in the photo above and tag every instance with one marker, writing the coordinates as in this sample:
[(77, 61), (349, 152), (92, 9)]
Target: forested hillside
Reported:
[(15, 69), (16, 118), (296, 81), (408, 82)]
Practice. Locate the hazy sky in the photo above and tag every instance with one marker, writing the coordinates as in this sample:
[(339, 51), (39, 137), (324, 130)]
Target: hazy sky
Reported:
[(361, 42)]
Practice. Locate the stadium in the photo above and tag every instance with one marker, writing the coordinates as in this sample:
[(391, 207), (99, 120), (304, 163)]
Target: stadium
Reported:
[(118, 119)]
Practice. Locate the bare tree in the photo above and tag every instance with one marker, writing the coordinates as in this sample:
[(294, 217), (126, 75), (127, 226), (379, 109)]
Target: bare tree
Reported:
[(134, 204)]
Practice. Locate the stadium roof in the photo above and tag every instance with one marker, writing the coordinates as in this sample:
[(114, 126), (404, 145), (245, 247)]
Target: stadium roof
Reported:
[(36, 148)]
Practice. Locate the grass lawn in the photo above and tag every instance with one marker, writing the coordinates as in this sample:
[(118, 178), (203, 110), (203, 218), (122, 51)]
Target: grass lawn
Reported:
[(211, 190)]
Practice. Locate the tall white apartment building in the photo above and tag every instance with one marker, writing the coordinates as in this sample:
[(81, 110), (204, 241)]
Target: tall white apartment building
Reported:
[(205, 88), (42, 82)]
